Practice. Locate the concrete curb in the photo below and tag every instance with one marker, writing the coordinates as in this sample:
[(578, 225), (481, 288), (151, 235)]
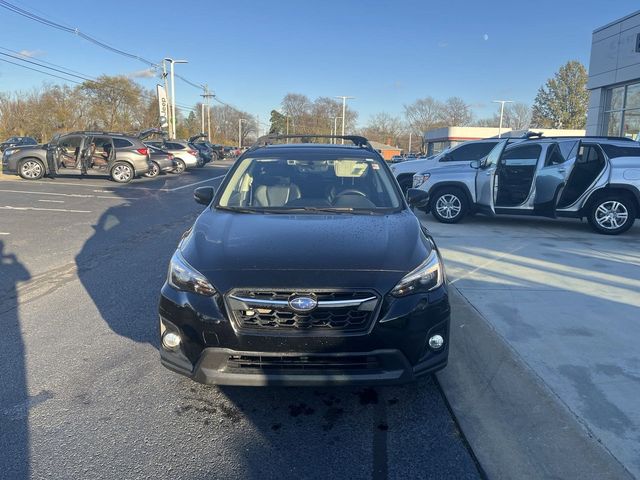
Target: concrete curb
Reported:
[(516, 427)]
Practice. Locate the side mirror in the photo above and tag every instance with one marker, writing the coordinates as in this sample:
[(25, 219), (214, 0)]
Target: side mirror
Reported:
[(475, 164), (417, 198), (204, 195)]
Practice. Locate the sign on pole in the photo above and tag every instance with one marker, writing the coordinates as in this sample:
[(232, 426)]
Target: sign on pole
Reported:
[(163, 106)]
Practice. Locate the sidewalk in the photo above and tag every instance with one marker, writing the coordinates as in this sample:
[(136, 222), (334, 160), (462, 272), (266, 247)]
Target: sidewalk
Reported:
[(566, 303)]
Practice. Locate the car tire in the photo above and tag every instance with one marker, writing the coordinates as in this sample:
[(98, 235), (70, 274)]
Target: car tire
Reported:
[(200, 163), (122, 172), (31, 169), (612, 214), (214, 157), (154, 171), (180, 166), (449, 205)]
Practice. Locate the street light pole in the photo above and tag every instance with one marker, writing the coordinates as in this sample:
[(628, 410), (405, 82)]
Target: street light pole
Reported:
[(410, 133), (344, 111), (335, 127), (173, 93), (205, 97), (166, 92), (501, 102), (240, 120)]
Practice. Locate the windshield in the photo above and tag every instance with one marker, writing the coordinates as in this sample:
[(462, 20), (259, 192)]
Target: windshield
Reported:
[(325, 183)]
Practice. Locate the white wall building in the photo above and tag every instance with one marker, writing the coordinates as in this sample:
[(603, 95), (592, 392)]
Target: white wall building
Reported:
[(614, 79)]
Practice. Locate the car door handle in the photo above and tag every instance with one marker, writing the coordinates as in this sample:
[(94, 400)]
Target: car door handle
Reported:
[(562, 170), (488, 174)]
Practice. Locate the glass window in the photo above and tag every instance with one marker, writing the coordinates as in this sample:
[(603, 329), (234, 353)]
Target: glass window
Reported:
[(319, 183), (631, 126), (614, 151), (470, 152), (633, 96), (616, 98), (554, 156), (121, 143), (613, 120), (521, 155)]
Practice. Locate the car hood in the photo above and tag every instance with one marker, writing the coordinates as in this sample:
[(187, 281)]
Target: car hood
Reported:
[(277, 250)]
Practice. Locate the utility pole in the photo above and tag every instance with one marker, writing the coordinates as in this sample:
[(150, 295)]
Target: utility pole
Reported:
[(257, 126), (335, 127), (240, 120), (410, 133), (344, 111), (501, 102), (205, 98), (173, 93)]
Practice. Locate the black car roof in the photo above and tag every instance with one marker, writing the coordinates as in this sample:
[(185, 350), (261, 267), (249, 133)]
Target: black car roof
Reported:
[(311, 148)]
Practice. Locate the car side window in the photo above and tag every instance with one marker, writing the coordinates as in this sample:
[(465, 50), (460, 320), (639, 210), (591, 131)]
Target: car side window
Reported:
[(614, 151), (554, 156), (521, 155), (469, 152), (121, 143)]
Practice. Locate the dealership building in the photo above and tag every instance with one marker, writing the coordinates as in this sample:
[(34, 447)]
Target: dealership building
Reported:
[(614, 79)]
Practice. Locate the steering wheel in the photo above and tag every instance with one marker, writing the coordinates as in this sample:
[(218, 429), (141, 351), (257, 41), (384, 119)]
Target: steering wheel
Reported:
[(351, 191)]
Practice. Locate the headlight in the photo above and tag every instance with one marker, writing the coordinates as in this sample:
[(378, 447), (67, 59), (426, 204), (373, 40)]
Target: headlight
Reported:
[(10, 151), (427, 276), (420, 178), (183, 276)]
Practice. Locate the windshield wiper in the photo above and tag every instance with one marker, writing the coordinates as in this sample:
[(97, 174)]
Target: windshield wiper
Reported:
[(239, 209), (328, 209)]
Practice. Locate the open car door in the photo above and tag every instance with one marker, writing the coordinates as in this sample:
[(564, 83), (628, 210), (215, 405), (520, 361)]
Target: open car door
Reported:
[(486, 179), (53, 155), (553, 173)]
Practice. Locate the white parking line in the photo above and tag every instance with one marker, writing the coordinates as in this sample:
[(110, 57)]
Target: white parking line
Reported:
[(7, 207), (52, 201), (75, 195), (190, 185), (5, 233)]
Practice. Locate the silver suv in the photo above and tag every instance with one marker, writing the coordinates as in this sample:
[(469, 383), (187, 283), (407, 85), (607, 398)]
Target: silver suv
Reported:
[(593, 177)]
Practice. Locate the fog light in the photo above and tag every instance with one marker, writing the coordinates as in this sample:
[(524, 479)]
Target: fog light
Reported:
[(436, 342), (171, 340)]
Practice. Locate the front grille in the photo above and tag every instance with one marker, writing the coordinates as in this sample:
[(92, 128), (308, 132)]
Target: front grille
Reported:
[(343, 311), (312, 362)]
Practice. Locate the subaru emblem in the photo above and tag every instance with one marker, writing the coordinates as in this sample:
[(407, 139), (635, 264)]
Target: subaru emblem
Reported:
[(302, 303)]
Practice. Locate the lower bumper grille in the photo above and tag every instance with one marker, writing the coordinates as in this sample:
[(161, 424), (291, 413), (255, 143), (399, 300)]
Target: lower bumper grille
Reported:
[(336, 311), (315, 362)]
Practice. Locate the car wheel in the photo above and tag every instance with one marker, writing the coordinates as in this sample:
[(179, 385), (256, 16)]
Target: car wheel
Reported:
[(122, 172), (31, 169), (612, 214), (154, 171), (449, 205), (180, 166), (214, 157)]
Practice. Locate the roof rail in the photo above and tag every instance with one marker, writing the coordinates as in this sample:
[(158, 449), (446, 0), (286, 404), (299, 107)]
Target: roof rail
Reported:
[(357, 140), (601, 137)]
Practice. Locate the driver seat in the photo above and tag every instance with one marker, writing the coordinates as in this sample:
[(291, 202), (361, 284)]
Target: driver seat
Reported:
[(276, 195)]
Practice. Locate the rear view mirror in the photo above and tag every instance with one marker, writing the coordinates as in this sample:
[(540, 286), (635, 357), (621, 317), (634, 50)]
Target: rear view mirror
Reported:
[(417, 198), (204, 195)]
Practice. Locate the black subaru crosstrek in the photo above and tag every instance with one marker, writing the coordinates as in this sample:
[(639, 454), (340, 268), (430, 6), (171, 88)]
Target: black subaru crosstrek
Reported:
[(306, 268)]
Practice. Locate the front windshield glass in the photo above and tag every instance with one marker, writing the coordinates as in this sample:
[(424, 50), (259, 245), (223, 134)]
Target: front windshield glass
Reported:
[(325, 183)]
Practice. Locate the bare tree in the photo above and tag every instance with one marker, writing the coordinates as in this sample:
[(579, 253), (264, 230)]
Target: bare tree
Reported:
[(424, 114), (384, 128), (456, 113), (517, 116)]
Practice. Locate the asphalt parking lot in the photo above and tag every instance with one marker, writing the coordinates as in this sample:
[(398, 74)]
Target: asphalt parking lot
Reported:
[(84, 394)]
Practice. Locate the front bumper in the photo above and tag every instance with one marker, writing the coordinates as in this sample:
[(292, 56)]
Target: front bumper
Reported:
[(394, 350)]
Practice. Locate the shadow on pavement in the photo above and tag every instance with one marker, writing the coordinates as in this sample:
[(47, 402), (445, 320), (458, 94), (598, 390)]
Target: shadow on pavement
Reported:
[(14, 397)]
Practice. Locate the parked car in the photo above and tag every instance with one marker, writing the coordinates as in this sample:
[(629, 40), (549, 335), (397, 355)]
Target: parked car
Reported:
[(162, 162), (397, 159), (121, 156), (12, 142), (593, 177), (307, 267), (460, 154), (206, 153), (217, 151), (184, 155)]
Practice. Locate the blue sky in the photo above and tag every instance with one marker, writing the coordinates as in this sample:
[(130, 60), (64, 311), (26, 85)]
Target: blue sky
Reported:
[(385, 53)]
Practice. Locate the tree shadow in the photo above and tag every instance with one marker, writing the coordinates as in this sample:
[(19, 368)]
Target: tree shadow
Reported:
[(14, 397)]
